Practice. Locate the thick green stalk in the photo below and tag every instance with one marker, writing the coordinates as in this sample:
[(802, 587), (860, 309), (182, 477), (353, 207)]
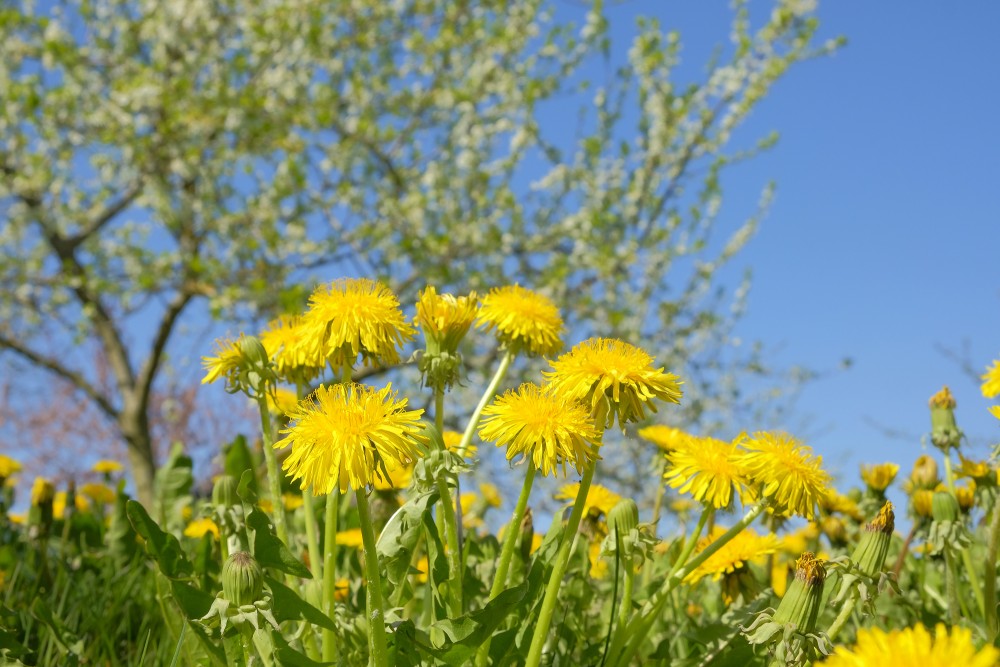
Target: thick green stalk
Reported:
[(559, 569), (330, 570), (970, 569), (273, 473), (507, 551), (454, 555), (625, 609), (639, 627), (376, 612), (488, 395), (845, 613), (990, 578), (692, 540)]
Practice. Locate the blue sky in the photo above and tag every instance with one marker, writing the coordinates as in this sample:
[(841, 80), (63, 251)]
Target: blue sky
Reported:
[(882, 244)]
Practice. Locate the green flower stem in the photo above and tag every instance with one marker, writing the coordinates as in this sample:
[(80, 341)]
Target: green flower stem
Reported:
[(507, 551), (376, 613), (559, 569), (330, 570), (488, 395), (273, 473), (625, 608), (639, 627), (845, 613), (454, 555), (970, 569), (658, 503), (951, 587), (689, 545), (990, 578)]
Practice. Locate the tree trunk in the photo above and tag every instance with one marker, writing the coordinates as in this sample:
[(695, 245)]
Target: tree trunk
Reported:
[(135, 428)]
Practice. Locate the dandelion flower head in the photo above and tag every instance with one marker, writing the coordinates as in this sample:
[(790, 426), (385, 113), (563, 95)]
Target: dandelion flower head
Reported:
[(745, 547), (991, 380), (786, 471), (524, 320), (445, 318), (914, 647), (201, 527), (106, 467), (879, 476), (287, 345), (226, 363), (347, 436), (351, 317), (666, 438), (599, 500), (549, 429), (605, 370), (709, 469), (8, 466)]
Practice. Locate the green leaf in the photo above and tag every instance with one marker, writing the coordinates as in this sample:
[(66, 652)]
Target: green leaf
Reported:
[(247, 488), (269, 550), (68, 643), (286, 656), (193, 602), (400, 535), (239, 460), (215, 652), (288, 606), (468, 632), (174, 480), (162, 546)]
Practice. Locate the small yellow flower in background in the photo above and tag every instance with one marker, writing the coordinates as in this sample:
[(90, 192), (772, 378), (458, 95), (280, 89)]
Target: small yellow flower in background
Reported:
[(42, 491), (99, 493), (785, 470), (536, 543), (835, 502), (226, 363), (286, 344), (265, 504), (350, 538), (422, 566), (549, 429), (666, 438), (980, 471), (19, 519), (8, 466), (282, 401), (599, 500), (445, 318), (201, 527), (349, 436), (924, 474), (709, 469), (524, 320), (351, 317), (398, 479), (469, 502), (995, 411), (991, 380), (879, 476), (747, 546), (106, 467), (914, 647), (292, 501), (598, 566), (966, 495), (452, 439), (59, 504), (607, 370), (491, 494), (341, 589)]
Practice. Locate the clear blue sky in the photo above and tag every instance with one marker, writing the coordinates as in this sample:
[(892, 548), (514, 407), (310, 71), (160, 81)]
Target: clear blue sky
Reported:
[(884, 240)]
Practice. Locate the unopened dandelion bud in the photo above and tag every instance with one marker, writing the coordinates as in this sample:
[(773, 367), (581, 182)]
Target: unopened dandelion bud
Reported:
[(871, 552), (40, 514), (253, 352), (925, 473), (242, 579), (944, 507), (224, 493), (803, 600), (922, 503), (966, 496), (42, 492), (878, 477), (944, 430), (624, 516), (526, 534)]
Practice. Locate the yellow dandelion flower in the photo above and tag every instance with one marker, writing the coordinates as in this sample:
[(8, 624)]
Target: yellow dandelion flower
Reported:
[(536, 543), (785, 470), (922, 501), (342, 587), (350, 538), (397, 480), (292, 501), (524, 320), (42, 491), (995, 411), (18, 518), (966, 495), (978, 470), (106, 467), (747, 546), (547, 428), (422, 566), (287, 344), (709, 469), (879, 476), (225, 364), (599, 500), (8, 466), (666, 438), (491, 494), (914, 647), (59, 504), (200, 527), (472, 509), (445, 318), (452, 439), (598, 566), (837, 503), (351, 317), (991, 380), (607, 370), (282, 401), (348, 436), (99, 493)]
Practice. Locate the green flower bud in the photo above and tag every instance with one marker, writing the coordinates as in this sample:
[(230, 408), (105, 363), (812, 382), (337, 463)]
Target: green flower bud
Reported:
[(253, 352), (925, 473), (624, 517), (802, 602), (242, 579), (944, 430), (873, 548), (224, 493), (526, 534), (944, 507)]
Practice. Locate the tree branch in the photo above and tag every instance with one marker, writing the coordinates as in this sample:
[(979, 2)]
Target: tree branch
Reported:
[(103, 215), (74, 378), (144, 380)]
